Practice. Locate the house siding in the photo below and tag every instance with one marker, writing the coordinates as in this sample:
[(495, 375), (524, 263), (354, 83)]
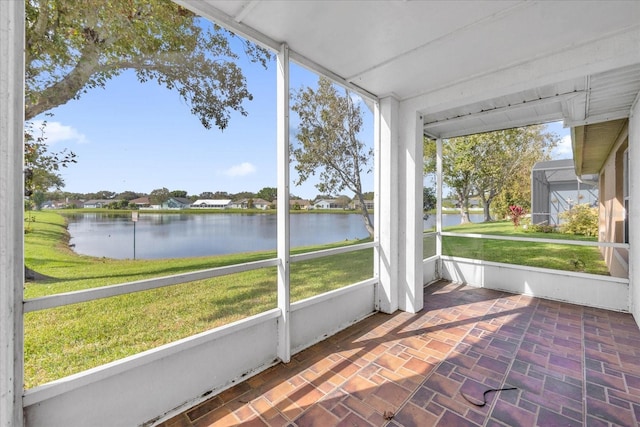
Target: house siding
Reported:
[(612, 212)]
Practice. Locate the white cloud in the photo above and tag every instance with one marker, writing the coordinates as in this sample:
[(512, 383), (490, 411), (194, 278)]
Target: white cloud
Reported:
[(242, 169), (57, 132), (563, 150)]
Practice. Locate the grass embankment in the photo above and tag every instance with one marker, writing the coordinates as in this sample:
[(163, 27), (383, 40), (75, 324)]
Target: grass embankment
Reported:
[(66, 340), (546, 255)]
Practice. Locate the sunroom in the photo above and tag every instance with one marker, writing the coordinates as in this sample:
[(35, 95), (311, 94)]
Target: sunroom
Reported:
[(427, 69)]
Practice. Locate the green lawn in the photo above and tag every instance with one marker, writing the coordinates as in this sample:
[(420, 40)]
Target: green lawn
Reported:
[(66, 340), (546, 255)]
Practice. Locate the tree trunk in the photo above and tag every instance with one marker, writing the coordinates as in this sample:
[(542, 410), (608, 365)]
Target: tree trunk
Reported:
[(487, 213), (365, 215), (464, 209)]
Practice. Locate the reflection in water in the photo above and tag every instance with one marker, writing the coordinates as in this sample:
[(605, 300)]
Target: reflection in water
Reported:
[(182, 235)]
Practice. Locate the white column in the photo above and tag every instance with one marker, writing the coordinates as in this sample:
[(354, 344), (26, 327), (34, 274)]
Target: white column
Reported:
[(284, 302), (410, 222), (439, 202), (11, 211), (386, 210), (634, 209)]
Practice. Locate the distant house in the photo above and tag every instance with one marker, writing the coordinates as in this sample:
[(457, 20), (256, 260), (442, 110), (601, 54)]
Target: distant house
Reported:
[(329, 204), (261, 204), (141, 202), (72, 204), (355, 204), (303, 205), (256, 203), (211, 204), (98, 203), (49, 204), (176, 203)]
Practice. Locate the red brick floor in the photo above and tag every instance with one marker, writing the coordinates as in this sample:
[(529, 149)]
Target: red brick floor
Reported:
[(572, 366)]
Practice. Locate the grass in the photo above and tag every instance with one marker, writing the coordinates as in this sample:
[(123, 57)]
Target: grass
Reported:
[(545, 255), (66, 340)]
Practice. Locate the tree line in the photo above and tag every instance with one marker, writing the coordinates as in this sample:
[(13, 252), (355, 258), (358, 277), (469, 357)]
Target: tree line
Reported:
[(494, 167), (160, 195)]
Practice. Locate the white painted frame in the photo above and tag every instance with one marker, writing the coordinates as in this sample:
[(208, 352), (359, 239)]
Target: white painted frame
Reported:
[(12, 34)]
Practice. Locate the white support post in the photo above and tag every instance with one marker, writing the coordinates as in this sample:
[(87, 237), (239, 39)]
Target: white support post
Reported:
[(376, 201), (283, 244), (11, 211), (439, 202), (386, 210), (410, 232), (634, 209)]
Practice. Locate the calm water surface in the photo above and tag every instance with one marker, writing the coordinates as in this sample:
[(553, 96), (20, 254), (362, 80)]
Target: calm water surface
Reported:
[(180, 235)]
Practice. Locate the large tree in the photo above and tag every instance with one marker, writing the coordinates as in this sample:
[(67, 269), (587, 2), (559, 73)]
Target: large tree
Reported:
[(268, 193), (505, 159), (459, 171), (73, 46), (491, 166), (330, 122), (159, 196)]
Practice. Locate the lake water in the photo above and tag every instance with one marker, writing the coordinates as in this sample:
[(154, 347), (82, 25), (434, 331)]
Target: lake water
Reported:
[(181, 235)]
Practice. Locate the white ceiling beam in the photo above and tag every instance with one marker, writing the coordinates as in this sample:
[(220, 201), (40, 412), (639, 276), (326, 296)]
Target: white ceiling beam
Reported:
[(505, 109), (246, 10), (616, 50), (211, 12)]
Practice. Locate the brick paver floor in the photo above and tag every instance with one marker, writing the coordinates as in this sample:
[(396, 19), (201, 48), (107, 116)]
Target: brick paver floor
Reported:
[(570, 365)]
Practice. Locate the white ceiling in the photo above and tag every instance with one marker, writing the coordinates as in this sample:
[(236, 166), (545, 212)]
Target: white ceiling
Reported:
[(468, 66)]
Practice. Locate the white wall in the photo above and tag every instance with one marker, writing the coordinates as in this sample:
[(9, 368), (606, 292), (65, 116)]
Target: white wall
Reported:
[(590, 290), (430, 270), (316, 318)]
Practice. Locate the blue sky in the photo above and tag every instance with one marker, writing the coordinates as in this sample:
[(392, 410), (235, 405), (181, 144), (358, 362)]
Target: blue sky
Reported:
[(140, 137)]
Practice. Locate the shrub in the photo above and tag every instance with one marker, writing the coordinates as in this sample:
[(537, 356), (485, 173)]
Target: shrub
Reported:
[(581, 219), (543, 228), (516, 213)]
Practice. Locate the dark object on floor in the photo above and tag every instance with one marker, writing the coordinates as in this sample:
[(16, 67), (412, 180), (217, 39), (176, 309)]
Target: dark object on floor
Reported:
[(483, 402)]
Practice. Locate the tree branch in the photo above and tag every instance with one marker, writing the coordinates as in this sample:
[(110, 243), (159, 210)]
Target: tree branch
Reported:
[(60, 92)]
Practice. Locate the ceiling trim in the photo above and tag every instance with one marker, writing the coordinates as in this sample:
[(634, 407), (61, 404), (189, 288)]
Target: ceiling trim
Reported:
[(622, 113), (563, 97)]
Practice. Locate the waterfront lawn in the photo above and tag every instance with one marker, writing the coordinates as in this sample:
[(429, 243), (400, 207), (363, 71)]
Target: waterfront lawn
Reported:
[(66, 340)]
